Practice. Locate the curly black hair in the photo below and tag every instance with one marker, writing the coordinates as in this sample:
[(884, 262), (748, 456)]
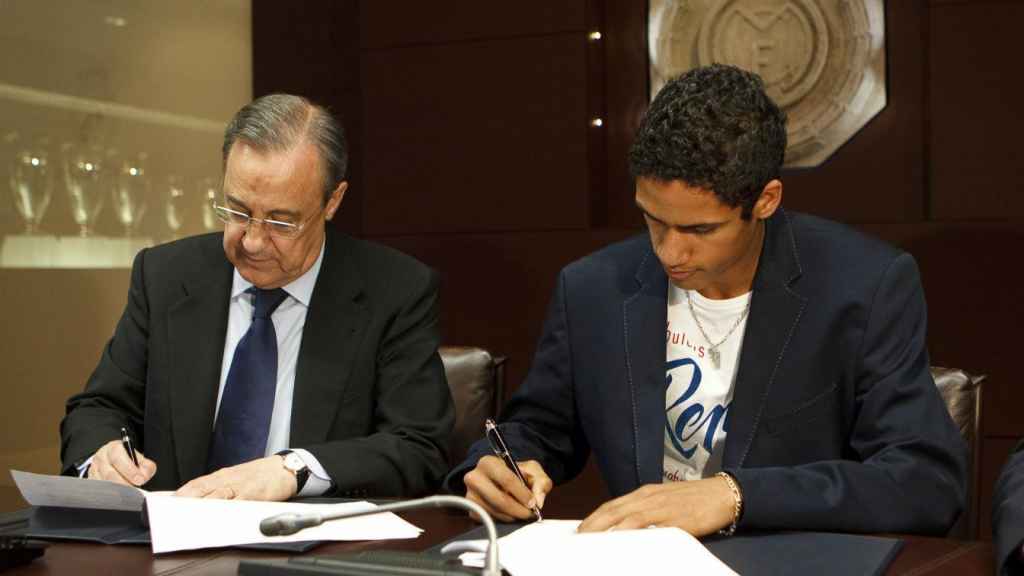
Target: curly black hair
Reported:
[(714, 128)]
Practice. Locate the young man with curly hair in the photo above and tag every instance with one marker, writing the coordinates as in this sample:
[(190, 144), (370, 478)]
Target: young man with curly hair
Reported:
[(738, 366)]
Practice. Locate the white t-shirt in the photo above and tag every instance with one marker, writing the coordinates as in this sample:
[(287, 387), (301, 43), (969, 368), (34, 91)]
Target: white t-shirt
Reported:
[(698, 394)]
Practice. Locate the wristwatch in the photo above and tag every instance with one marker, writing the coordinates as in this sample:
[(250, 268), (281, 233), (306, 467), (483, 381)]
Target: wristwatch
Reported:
[(294, 464)]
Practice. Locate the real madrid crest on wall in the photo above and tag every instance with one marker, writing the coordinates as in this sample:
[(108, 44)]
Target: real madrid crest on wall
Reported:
[(822, 61)]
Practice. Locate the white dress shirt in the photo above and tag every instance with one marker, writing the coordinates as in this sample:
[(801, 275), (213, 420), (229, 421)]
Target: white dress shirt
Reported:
[(289, 318)]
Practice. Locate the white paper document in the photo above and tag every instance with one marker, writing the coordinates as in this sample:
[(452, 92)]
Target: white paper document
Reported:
[(188, 523), (177, 523), (70, 492), (553, 547)]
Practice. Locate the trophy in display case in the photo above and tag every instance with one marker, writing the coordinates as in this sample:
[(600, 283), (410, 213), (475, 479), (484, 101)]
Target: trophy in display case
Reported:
[(130, 191), (174, 204), (31, 182), (207, 195), (86, 183)]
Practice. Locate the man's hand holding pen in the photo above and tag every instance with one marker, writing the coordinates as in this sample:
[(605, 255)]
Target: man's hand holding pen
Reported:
[(497, 488), (113, 462), (508, 489)]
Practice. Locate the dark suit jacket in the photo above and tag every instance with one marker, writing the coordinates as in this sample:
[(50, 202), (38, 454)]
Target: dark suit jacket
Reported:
[(1008, 514), (835, 423), (371, 402)]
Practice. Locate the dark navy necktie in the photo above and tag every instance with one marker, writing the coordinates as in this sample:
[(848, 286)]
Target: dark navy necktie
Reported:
[(243, 420)]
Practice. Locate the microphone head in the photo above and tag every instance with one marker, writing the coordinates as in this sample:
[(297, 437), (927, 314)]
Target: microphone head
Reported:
[(281, 525)]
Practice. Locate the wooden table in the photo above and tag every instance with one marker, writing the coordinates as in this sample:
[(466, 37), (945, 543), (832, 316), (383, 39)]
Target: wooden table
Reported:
[(920, 556)]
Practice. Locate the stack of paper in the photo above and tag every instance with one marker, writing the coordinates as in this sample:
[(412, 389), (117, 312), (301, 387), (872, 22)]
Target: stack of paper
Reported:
[(187, 523), (554, 547)]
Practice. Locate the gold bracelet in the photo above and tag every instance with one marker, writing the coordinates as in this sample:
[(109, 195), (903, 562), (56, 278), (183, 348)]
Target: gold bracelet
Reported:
[(737, 504)]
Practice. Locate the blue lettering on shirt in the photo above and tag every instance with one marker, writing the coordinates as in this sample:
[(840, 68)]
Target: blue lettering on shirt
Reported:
[(694, 417)]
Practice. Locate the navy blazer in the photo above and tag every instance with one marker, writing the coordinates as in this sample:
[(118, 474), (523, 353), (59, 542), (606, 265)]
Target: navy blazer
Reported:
[(1008, 514), (371, 401), (835, 423)]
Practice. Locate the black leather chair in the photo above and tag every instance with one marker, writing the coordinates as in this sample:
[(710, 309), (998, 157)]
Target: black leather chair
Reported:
[(476, 379), (962, 393)]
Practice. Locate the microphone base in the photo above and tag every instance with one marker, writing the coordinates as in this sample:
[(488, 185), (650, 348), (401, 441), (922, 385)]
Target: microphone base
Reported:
[(366, 563)]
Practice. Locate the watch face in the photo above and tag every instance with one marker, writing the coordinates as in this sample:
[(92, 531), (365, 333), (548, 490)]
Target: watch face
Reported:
[(294, 462)]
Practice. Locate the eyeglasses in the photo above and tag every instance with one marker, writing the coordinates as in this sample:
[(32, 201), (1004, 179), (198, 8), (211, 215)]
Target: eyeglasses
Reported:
[(276, 228)]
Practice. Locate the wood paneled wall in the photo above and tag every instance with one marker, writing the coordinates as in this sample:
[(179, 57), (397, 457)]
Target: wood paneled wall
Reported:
[(473, 149)]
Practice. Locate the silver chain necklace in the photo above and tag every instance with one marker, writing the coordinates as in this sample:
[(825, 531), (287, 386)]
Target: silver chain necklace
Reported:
[(716, 356)]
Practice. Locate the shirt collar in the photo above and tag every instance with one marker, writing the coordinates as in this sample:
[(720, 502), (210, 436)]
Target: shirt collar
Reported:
[(300, 289)]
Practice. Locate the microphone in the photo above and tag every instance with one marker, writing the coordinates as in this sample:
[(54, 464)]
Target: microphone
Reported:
[(290, 523)]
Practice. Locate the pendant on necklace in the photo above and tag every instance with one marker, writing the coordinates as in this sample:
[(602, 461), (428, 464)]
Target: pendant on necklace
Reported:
[(716, 357)]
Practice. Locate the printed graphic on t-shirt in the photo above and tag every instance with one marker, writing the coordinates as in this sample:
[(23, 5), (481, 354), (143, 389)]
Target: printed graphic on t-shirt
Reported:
[(698, 392), (692, 420)]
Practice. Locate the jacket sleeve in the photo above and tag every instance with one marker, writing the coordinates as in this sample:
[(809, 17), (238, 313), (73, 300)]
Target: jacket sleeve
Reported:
[(1008, 515), (907, 465), (114, 395), (406, 453), (540, 421)]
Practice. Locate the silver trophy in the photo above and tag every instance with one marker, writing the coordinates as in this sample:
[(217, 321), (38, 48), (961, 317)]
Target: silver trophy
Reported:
[(131, 188), (31, 182), (86, 184), (174, 203), (208, 191)]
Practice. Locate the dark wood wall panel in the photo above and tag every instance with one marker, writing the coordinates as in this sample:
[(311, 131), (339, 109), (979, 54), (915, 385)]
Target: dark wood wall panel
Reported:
[(452, 133), (311, 49), (404, 22), (976, 87), (495, 288), (626, 95)]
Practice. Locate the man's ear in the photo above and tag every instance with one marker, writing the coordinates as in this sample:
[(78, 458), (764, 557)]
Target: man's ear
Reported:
[(335, 200), (769, 200)]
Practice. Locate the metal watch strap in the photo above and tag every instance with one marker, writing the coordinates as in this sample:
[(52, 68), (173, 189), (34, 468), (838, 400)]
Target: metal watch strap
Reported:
[(301, 474)]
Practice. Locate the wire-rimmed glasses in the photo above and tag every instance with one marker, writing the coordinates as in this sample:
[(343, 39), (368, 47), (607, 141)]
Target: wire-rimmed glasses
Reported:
[(276, 228)]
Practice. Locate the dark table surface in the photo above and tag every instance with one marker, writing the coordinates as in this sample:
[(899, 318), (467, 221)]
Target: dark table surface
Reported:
[(919, 556)]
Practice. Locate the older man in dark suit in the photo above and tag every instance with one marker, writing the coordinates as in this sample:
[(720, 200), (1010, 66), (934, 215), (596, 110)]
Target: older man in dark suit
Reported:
[(277, 358)]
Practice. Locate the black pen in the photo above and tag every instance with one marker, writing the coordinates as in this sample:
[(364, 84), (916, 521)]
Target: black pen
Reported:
[(126, 441), (501, 450)]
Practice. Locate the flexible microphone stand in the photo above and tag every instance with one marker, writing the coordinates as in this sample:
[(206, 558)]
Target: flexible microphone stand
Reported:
[(290, 523)]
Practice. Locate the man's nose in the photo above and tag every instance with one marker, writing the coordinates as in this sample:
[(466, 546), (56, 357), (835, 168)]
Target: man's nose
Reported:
[(254, 237), (676, 249)]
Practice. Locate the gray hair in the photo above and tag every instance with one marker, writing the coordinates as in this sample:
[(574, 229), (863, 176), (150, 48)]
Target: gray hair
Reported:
[(280, 122)]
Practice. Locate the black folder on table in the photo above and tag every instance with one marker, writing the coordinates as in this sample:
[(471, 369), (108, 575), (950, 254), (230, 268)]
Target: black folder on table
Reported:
[(102, 526), (771, 553)]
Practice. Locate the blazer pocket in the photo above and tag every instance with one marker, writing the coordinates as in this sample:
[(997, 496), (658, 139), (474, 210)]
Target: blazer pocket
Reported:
[(805, 413)]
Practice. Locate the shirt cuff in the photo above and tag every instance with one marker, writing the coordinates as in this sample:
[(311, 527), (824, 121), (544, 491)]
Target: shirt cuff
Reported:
[(319, 482), (83, 468)]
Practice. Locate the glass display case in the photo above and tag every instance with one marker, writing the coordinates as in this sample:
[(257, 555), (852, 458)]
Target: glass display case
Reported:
[(111, 118)]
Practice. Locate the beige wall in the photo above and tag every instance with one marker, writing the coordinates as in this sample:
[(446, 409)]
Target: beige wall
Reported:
[(56, 323)]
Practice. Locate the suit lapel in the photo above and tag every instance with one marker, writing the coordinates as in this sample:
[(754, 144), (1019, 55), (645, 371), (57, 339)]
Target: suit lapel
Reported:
[(335, 324), (644, 316), (197, 326), (775, 311)]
